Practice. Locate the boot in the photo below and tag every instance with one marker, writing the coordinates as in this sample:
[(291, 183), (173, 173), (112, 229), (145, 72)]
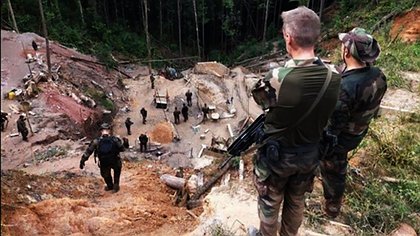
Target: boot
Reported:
[(108, 188), (332, 207), (116, 188)]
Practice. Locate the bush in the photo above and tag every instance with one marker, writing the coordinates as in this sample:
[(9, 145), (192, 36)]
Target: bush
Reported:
[(393, 149)]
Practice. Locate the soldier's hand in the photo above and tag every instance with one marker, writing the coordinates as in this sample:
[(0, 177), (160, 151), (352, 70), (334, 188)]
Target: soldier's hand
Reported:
[(82, 164)]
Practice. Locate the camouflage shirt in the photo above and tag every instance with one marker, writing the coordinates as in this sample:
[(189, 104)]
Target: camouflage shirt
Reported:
[(361, 93), (300, 83)]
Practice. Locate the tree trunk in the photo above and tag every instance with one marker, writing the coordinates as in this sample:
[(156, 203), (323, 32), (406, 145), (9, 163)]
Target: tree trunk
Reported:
[(123, 11), (57, 8), (146, 29), (221, 27), (82, 16), (160, 20), (142, 13), (94, 7), (196, 29), (265, 20), (47, 43), (202, 27), (179, 27), (106, 12), (321, 8), (275, 14), (116, 10), (176, 182), (13, 16)]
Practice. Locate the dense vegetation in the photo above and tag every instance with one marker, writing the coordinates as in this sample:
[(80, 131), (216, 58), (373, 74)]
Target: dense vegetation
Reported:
[(102, 27)]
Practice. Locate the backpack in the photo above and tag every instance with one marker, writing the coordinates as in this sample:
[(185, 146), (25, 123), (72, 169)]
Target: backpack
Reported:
[(107, 149)]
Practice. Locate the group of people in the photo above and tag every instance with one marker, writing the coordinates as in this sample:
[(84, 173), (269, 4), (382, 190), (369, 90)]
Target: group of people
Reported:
[(315, 107), (312, 101), (184, 110), (143, 139)]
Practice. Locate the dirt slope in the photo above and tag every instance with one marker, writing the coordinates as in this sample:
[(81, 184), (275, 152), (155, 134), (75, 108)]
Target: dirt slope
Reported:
[(65, 203)]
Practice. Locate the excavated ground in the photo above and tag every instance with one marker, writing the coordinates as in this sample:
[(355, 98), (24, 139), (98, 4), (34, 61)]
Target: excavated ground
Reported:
[(43, 191)]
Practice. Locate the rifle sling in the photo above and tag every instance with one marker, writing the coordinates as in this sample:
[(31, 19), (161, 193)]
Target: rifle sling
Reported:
[(317, 99)]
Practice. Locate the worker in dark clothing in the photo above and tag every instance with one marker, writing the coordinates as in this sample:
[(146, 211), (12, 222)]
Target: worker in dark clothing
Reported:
[(143, 113), (143, 142), (107, 148), (188, 94), (128, 124), (176, 115), (4, 120), (206, 111), (126, 144), (21, 127), (185, 112), (152, 81), (34, 45)]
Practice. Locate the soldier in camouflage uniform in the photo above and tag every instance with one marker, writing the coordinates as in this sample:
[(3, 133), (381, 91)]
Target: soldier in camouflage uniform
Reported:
[(288, 155), (362, 89), (107, 148)]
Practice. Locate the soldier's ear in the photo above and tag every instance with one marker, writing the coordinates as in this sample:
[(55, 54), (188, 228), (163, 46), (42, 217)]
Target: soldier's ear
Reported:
[(346, 52)]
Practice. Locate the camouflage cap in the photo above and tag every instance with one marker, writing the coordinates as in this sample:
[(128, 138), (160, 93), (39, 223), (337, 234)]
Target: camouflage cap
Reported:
[(105, 126), (362, 45)]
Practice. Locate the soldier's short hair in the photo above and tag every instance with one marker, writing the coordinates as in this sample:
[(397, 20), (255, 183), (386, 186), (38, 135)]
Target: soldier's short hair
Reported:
[(303, 25)]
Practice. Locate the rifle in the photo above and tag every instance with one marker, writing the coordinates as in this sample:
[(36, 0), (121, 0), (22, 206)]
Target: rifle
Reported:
[(241, 144), (245, 139)]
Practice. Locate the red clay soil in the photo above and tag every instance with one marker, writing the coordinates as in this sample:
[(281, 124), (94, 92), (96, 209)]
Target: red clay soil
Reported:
[(407, 26), (64, 104), (72, 203), (162, 133)]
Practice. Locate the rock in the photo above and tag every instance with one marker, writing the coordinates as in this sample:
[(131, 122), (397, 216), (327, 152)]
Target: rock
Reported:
[(404, 230), (212, 68)]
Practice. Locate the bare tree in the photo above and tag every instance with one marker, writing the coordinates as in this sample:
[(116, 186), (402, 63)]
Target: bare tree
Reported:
[(266, 18), (146, 29), (196, 29), (179, 27), (47, 43), (13, 16), (79, 3)]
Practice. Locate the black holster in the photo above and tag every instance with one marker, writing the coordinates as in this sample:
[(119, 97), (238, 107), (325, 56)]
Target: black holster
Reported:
[(328, 143)]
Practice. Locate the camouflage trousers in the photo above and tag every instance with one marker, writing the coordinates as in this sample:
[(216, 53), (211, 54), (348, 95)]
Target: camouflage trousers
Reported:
[(283, 177), (105, 169), (334, 166)]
